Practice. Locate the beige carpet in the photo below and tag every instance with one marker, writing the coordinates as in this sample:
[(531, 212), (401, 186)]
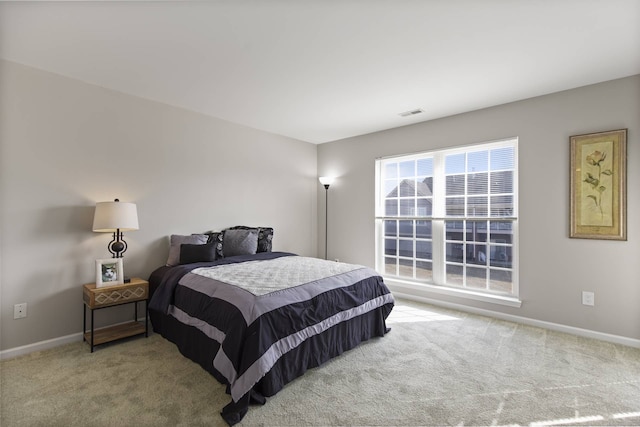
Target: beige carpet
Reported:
[(436, 367)]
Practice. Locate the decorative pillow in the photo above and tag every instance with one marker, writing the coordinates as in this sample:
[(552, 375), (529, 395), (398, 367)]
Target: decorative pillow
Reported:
[(265, 236), (197, 253), (216, 237), (177, 240), (265, 239), (240, 242)]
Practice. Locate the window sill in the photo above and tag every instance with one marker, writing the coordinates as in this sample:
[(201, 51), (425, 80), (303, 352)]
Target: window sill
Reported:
[(461, 293)]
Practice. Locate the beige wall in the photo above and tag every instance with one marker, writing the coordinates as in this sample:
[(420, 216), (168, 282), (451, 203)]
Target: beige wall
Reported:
[(66, 145), (554, 269)]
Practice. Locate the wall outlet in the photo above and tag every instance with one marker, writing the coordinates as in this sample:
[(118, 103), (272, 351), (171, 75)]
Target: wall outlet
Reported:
[(588, 298), (20, 310)]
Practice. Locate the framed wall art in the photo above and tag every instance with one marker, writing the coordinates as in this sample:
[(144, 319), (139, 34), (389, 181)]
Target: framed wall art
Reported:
[(109, 272), (598, 185)]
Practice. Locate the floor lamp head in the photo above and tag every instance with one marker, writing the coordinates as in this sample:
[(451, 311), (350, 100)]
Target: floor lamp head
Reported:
[(326, 181)]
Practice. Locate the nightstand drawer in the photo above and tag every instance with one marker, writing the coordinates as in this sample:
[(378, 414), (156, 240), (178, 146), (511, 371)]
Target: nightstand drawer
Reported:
[(136, 290)]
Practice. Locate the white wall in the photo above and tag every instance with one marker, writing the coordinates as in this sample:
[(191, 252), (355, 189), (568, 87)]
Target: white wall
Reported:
[(554, 269), (66, 145)]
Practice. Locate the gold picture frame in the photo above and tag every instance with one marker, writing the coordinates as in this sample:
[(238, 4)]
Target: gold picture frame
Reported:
[(598, 185)]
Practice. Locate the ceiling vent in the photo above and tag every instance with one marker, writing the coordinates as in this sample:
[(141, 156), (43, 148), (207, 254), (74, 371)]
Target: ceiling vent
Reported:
[(412, 112)]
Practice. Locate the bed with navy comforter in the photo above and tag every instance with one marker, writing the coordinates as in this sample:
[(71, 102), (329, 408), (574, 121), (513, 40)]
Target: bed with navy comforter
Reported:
[(256, 322)]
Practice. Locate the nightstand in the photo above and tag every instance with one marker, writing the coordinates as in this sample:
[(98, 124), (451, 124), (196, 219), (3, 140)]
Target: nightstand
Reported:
[(95, 298)]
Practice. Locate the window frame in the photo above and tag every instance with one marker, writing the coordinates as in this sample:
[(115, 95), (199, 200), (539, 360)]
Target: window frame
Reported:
[(438, 220)]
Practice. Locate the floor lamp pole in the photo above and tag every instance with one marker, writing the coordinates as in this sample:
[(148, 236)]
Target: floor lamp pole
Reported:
[(326, 221), (326, 181)]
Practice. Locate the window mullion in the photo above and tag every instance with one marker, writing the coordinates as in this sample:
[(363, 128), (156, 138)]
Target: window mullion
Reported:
[(438, 226)]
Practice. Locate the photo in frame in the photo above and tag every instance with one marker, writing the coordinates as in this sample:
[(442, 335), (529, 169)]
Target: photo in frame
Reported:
[(598, 185), (109, 272)]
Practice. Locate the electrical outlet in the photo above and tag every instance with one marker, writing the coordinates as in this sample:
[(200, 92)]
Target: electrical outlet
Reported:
[(588, 298), (20, 310)]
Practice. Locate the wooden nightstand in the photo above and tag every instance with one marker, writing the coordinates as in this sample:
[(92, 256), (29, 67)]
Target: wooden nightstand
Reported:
[(110, 296)]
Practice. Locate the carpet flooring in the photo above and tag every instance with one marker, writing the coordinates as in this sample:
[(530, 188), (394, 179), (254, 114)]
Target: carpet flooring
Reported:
[(437, 367)]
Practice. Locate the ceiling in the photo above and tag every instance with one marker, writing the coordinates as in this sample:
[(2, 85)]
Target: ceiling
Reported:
[(319, 70)]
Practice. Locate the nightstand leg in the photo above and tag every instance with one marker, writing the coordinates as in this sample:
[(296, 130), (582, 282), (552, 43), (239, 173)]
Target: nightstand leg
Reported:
[(146, 318), (92, 330), (84, 321)]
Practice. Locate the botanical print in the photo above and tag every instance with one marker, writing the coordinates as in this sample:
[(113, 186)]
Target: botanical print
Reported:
[(597, 184)]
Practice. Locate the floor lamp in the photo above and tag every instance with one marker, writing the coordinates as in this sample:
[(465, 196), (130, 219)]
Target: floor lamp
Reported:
[(326, 181)]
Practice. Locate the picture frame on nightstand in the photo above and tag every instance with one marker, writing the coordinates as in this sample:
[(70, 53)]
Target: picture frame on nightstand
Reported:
[(109, 272)]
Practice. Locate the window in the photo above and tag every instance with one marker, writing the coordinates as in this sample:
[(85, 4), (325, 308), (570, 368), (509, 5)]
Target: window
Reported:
[(449, 217)]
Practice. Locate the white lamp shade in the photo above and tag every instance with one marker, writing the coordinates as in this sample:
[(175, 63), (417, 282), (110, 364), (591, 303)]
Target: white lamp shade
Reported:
[(112, 216), (326, 180)]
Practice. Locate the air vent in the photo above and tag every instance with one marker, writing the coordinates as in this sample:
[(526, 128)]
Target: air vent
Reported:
[(412, 112)]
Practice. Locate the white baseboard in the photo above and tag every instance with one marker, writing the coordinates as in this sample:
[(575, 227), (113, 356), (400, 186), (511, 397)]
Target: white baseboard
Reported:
[(47, 344), (39, 346), (617, 339), (55, 342)]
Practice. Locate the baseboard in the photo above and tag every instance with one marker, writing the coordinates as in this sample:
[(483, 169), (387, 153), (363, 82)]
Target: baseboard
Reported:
[(616, 339), (55, 342), (39, 346), (46, 345)]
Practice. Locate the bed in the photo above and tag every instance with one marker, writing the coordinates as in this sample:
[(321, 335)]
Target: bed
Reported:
[(258, 321)]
